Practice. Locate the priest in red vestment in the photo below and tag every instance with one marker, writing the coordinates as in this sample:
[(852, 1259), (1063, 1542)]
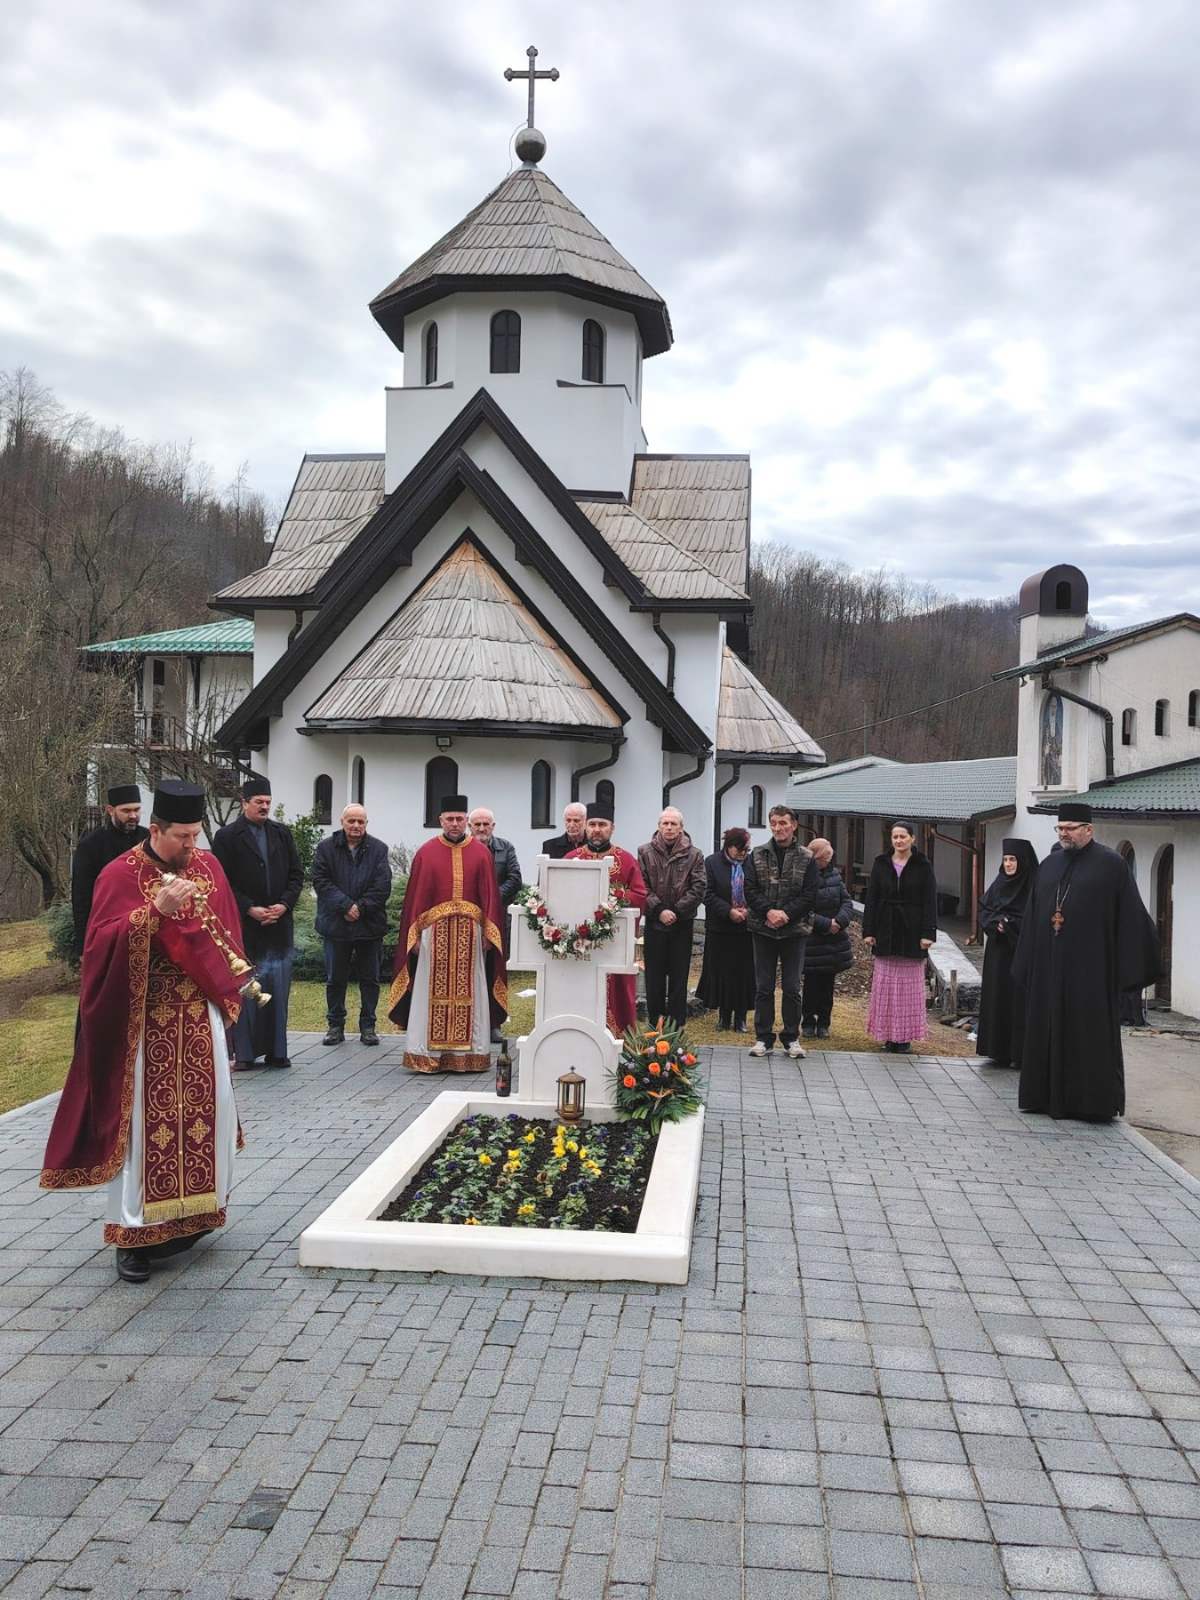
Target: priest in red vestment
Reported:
[(148, 1103), (626, 882), (450, 987)]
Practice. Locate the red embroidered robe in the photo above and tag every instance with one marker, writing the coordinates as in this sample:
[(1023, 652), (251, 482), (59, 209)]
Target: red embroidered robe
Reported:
[(145, 985), (626, 881), (451, 893)]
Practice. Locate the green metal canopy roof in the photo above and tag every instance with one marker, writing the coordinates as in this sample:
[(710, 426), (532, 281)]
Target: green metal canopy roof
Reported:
[(1077, 651), (927, 791), (1160, 792), (230, 636)]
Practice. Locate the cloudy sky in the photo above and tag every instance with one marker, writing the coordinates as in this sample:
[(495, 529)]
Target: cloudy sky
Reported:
[(936, 263)]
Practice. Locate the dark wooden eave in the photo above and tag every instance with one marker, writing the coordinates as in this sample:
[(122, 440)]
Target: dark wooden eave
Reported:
[(462, 730), (388, 540)]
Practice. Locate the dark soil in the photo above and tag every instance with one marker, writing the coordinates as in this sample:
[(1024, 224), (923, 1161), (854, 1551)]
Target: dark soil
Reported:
[(607, 1204)]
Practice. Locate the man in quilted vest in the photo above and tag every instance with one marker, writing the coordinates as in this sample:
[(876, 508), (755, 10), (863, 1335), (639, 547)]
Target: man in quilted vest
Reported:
[(781, 891)]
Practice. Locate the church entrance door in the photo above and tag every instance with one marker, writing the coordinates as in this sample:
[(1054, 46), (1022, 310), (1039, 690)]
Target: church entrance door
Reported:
[(1165, 886)]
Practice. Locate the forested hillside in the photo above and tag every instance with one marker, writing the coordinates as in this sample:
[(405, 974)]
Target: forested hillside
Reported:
[(842, 649), (100, 536)]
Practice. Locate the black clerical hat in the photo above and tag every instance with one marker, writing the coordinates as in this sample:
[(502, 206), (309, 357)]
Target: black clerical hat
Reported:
[(1074, 811), (253, 786), (178, 802), (455, 802), (600, 809), (124, 794)]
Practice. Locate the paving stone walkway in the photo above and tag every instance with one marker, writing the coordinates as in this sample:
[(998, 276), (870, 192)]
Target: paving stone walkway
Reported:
[(929, 1348)]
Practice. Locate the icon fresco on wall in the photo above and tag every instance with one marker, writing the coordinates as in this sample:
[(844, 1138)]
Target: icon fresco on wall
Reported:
[(1052, 736)]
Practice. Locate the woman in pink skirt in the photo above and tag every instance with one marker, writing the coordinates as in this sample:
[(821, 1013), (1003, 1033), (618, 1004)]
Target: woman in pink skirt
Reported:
[(899, 924)]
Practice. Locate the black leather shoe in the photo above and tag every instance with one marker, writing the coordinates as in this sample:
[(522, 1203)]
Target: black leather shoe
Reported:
[(822, 1031), (369, 1036), (335, 1036), (278, 1061), (132, 1265), (244, 1066), (739, 1025), (809, 1030)]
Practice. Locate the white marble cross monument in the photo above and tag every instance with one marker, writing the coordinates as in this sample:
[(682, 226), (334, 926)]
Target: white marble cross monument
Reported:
[(570, 1031)]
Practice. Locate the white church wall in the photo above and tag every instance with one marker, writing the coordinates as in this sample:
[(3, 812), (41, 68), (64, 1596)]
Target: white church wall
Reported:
[(1163, 668), (588, 434), (271, 629), (1149, 840), (735, 803)]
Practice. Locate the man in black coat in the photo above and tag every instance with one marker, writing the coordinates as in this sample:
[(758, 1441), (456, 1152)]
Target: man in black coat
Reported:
[(482, 823), (120, 831), (260, 860), (574, 834), (781, 890), (353, 879), (1085, 938)]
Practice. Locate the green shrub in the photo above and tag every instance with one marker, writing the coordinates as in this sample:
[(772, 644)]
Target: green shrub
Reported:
[(60, 927)]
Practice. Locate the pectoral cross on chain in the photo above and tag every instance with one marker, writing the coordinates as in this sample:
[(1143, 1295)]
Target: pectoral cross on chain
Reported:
[(1057, 920), (533, 75)]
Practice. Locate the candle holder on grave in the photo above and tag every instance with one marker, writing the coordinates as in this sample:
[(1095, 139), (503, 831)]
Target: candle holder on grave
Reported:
[(572, 1098)]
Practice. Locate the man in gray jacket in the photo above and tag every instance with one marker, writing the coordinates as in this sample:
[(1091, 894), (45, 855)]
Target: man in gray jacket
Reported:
[(675, 882), (482, 823)]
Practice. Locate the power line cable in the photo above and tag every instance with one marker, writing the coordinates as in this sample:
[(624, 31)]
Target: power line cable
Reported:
[(902, 715)]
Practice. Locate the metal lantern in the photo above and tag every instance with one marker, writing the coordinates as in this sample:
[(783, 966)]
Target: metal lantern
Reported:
[(572, 1097)]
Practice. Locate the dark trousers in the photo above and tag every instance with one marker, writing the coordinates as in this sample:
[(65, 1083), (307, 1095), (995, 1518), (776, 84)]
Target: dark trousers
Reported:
[(668, 957), (346, 958), (787, 957), (817, 1005), (262, 1030)]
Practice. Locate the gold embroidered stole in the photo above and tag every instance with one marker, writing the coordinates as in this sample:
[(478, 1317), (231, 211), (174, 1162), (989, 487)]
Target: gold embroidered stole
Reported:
[(179, 1098)]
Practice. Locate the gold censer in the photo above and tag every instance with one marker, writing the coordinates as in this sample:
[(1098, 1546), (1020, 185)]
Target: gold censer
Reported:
[(238, 965)]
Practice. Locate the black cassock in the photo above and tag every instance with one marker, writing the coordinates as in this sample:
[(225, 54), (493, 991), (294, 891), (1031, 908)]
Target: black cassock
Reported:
[(1072, 1064), (92, 854), (1001, 1030)]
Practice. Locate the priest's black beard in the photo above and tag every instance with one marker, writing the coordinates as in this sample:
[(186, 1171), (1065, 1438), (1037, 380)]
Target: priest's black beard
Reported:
[(598, 846), (125, 827)]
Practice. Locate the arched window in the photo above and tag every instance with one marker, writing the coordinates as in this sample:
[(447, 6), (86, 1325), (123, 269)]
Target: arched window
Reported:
[(1128, 855), (358, 782), (1194, 709), (323, 799), (1162, 718), (593, 352), (1052, 740), (757, 803), (430, 353), (1129, 726), (441, 778), (606, 795), (1062, 595), (541, 781), (506, 342)]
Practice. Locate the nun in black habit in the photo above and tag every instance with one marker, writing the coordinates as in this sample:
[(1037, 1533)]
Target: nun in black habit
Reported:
[(1086, 937), (1001, 912)]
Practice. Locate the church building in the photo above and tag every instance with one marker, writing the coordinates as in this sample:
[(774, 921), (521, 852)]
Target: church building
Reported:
[(516, 599)]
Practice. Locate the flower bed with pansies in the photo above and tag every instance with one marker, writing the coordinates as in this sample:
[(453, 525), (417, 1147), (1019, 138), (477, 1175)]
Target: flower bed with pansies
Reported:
[(527, 1172)]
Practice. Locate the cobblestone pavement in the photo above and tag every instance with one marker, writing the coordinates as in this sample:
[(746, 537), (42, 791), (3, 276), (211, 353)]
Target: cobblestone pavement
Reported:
[(929, 1348)]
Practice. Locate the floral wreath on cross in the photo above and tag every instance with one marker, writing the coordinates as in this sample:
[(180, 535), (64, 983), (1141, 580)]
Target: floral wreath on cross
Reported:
[(562, 939)]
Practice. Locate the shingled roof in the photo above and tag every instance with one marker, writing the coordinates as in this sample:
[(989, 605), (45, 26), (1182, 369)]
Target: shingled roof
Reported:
[(753, 726), (230, 636), (465, 651), (1157, 793), (702, 504), (926, 791), (526, 234), (668, 569)]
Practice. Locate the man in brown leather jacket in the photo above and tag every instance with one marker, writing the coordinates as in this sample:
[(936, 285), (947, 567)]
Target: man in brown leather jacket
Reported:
[(674, 872)]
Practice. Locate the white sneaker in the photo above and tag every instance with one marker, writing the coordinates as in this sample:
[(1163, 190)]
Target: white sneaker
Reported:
[(758, 1048), (797, 1051)]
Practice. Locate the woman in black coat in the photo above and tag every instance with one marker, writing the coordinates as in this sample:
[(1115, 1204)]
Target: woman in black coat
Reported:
[(899, 924), (1001, 1034), (727, 976), (827, 950)]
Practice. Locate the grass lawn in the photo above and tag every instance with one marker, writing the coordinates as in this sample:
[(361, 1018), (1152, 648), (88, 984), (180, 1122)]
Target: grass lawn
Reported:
[(38, 1004)]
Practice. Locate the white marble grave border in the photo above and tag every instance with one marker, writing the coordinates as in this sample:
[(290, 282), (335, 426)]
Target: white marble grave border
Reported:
[(348, 1236)]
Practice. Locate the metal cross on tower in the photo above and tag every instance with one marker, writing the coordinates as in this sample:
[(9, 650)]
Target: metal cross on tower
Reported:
[(533, 75)]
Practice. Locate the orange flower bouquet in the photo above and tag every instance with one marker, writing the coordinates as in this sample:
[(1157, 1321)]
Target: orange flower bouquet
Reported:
[(656, 1080)]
